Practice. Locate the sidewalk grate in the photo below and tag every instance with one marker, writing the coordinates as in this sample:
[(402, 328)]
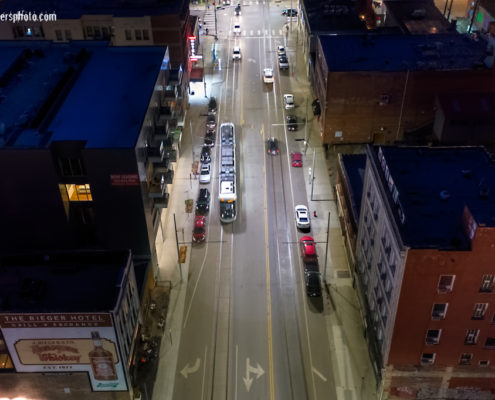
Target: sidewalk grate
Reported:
[(342, 274)]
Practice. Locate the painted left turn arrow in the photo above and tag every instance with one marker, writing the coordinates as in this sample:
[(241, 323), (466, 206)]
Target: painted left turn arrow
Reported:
[(190, 370)]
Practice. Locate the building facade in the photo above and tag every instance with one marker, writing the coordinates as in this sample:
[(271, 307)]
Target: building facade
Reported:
[(425, 251)]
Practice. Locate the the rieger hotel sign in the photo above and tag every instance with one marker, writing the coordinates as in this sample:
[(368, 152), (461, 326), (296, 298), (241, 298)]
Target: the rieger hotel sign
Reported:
[(63, 343)]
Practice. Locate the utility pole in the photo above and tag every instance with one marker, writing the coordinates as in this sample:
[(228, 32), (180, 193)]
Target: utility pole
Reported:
[(326, 251), (313, 174), (178, 251), (192, 147)]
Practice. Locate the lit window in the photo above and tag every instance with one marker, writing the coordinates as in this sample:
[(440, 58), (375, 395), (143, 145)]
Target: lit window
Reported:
[(446, 283), (78, 192)]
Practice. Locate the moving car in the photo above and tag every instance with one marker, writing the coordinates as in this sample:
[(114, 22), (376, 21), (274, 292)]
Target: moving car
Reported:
[(237, 29), (297, 160), (281, 50), (268, 75), (212, 106), (283, 62), (302, 217), (238, 9), (211, 121), (203, 201), (199, 230), (289, 12), (205, 155), (226, 2), (291, 122), (273, 146), (312, 283), (308, 249), (288, 101), (205, 174), (236, 53)]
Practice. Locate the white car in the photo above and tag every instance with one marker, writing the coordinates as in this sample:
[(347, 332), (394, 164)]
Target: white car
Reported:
[(205, 174), (236, 53), (268, 75), (288, 101), (302, 217), (281, 50), (237, 29)]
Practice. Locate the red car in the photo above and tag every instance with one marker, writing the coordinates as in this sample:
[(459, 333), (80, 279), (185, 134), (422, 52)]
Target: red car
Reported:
[(199, 231), (308, 249), (297, 160)]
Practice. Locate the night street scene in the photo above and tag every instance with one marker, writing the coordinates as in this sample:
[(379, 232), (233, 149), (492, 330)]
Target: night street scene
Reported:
[(247, 199)]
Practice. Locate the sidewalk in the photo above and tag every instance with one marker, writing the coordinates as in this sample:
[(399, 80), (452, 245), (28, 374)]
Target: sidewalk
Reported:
[(353, 374)]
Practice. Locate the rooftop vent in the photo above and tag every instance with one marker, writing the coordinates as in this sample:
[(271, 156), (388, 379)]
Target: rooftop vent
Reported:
[(444, 195)]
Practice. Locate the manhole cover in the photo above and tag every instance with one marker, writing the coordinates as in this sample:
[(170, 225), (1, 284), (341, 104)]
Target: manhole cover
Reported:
[(343, 274)]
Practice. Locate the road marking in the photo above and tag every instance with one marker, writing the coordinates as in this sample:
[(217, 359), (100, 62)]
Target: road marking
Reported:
[(268, 293), (235, 380), (319, 374), (204, 375), (248, 381), (191, 370)]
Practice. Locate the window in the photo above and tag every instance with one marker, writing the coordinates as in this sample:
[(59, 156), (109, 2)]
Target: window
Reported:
[(483, 363), (68, 34), (428, 358), (146, 35), (89, 31), (97, 31), (487, 283), (69, 167), (471, 336), (58, 34), (446, 283), (479, 310), (78, 192), (490, 343), (433, 336), (137, 32), (439, 311), (105, 32), (128, 34), (465, 359)]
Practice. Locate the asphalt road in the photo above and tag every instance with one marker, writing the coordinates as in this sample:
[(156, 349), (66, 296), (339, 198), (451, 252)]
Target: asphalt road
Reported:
[(249, 331)]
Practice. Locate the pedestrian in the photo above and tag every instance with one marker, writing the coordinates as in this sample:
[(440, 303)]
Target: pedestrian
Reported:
[(207, 31), (314, 214)]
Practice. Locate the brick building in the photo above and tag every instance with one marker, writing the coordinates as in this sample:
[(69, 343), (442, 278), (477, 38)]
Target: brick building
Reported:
[(425, 272)]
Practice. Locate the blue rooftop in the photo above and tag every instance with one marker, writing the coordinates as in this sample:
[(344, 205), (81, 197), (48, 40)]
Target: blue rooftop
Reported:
[(354, 166), (434, 185), (402, 52), (74, 9), (57, 283), (80, 91)]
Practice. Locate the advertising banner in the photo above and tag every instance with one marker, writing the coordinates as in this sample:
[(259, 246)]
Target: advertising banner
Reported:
[(66, 342)]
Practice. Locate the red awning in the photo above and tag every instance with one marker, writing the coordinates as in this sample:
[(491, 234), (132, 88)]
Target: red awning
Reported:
[(196, 75)]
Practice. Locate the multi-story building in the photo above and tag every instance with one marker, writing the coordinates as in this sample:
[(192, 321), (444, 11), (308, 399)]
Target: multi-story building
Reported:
[(122, 23), (68, 325), (382, 88), (425, 266), (86, 148)]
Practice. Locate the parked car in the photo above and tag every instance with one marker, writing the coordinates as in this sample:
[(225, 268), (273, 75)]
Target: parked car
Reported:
[(283, 62), (313, 283), (209, 141), (273, 146), (237, 29), (236, 53), (205, 174), (205, 155), (288, 101), (291, 122), (308, 249), (302, 217), (211, 121), (199, 230), (203, 201), (297, 160), (212, 106), (281, 50), (268, 75)]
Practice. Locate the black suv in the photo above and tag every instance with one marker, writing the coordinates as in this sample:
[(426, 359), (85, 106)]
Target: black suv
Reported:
[(205, 155), (313, 283), (203, 202), (291, 122), (212, 106), (211, 121), (273, 146)]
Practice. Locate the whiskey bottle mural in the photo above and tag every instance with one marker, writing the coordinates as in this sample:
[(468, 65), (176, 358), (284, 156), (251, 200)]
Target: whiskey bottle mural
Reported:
[(101, 361)]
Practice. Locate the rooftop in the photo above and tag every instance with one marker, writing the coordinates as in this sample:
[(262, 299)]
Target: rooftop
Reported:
[(62, 282), (434, 185), (354, 166), (327, 16), (439, 52), (418, 17), (74, 9), (79, 91)]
